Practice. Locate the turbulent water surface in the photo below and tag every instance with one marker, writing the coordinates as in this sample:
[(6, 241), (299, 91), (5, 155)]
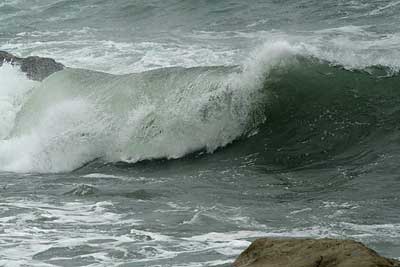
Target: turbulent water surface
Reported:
[(183, 130)]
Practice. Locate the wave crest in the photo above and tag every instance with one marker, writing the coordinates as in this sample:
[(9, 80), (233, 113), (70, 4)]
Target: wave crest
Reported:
[(76, 115)]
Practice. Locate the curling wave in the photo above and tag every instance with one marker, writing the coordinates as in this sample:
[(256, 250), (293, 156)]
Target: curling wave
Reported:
[(291, 109)]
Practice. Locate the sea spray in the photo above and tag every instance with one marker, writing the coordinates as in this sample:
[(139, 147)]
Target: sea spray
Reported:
[(14, 88), (76, 116)]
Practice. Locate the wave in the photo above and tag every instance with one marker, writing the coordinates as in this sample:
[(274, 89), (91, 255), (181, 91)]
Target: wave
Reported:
[(290, 108), (327, 115)]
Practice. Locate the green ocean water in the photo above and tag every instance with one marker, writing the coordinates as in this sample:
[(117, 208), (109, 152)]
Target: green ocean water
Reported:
[(183, 130)]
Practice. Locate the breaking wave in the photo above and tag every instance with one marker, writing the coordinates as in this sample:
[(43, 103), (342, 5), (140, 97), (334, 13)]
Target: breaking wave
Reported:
[(290, 107)]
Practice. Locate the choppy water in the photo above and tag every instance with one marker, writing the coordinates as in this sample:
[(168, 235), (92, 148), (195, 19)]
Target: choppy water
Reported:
[(185, 129)]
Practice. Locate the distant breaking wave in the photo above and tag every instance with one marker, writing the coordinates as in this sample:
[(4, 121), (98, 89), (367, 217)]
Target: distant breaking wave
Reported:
[(288, 107)]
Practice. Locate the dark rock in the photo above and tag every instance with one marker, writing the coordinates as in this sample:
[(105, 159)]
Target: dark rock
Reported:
[(269, 252), (36, 68), (7, 57)]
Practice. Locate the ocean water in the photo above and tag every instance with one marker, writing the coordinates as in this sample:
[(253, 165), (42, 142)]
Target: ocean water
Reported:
[(183, 130)]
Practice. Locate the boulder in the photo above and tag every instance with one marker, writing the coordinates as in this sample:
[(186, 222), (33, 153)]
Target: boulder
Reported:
[(270, 252), (36, 68)]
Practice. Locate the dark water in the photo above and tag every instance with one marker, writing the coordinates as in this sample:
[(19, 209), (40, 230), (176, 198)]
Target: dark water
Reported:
[(238, 120)]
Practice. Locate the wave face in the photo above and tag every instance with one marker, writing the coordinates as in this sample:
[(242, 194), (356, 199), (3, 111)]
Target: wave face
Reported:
[(321, 113), (291, 109), (76, 116)]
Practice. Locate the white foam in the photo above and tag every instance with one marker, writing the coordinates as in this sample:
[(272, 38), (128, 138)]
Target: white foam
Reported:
[(75, 224), (231, 236), (166, 119), (82, 50), (63, 138), (72, 119), (300, 211), (387, 231), (14, 87), (354, 47)]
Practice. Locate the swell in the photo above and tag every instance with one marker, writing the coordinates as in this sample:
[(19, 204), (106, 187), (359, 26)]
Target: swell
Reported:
[(288, 110), (324, 114)]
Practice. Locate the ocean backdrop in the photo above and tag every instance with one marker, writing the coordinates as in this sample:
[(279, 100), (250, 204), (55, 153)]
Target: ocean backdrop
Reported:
[(180, 131)]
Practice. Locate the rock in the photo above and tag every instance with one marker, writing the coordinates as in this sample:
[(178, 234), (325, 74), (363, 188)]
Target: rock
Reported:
[(4, 56), (36, 68), (270, 252)]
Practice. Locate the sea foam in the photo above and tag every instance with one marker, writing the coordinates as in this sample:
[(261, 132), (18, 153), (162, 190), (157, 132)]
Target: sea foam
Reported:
[(76, 116), (14, 88)]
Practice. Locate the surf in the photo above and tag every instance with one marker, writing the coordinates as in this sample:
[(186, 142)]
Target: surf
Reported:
[(278, 99)]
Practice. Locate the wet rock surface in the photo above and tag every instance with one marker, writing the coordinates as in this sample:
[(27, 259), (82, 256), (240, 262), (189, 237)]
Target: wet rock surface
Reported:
[(270, 252), (36, 68)]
